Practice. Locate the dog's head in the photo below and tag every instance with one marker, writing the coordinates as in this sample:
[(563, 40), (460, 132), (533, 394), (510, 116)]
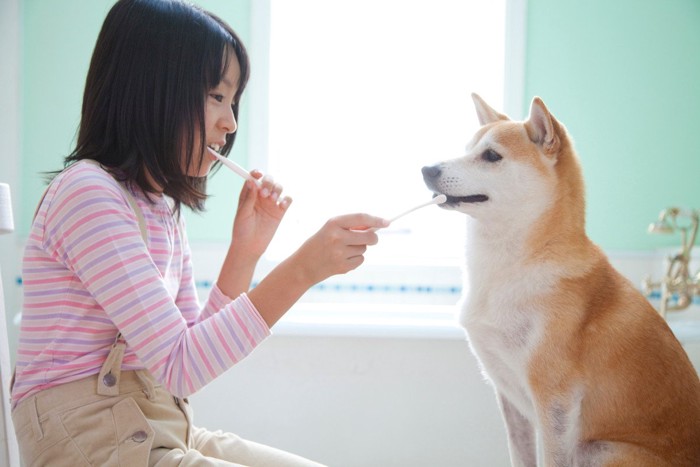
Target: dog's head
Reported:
[(508, 168)]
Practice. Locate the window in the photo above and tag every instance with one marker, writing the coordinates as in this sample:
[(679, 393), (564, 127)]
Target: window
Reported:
[(361, 95)]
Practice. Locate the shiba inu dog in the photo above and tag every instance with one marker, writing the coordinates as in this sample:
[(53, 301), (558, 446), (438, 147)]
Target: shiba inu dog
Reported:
[(578, 357)]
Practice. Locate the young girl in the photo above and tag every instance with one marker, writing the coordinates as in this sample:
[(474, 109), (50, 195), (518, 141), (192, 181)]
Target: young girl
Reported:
[(113, 339)]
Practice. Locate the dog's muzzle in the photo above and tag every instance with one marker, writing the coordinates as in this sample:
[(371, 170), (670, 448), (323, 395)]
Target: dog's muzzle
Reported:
[(431, 176)]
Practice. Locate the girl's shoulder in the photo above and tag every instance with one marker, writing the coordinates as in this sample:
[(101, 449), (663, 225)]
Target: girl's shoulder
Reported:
[(85, 173), (88, 179), (88, 174), (78, 182)]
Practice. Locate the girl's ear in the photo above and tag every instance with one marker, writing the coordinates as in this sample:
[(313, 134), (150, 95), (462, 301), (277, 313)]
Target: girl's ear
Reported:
[(485, 112)]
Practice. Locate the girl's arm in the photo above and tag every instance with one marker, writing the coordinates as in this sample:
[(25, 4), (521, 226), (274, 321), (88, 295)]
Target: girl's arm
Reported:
[(335, 249)]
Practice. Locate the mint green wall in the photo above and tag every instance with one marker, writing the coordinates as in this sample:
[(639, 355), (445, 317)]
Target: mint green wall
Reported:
[(620, 74), (58, 38), (623, 76)]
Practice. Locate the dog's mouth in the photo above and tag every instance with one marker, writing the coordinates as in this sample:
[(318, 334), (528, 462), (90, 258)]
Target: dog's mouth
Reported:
[(455, 200)]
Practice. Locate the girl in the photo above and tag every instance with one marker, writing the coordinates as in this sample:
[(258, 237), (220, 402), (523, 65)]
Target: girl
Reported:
[(112, 338)]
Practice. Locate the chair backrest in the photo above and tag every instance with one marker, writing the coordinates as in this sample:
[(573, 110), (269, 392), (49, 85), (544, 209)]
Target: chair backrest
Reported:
[(9, 452)]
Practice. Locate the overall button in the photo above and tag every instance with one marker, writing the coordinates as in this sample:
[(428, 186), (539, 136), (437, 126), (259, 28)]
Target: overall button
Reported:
[(140, 436), (109, 380)]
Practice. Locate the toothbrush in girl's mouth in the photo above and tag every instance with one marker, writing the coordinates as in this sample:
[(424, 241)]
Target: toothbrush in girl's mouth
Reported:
[(234, 167)]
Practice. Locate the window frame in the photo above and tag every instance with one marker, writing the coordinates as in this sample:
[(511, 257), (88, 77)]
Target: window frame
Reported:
[(418, 315)]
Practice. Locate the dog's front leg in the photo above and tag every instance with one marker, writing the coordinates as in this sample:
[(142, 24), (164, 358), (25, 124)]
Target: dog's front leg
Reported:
[(522, 440)]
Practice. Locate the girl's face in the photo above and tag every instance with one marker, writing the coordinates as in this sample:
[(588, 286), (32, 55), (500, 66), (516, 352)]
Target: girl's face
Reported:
[(219, 120)]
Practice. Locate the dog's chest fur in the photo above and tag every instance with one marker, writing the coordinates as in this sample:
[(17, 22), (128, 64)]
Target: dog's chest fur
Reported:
[(504, 318)]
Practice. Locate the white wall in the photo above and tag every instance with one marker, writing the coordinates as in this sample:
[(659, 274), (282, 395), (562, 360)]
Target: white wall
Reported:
[(354, 401)]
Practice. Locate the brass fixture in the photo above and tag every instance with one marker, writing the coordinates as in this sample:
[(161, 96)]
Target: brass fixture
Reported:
[(678, 287)]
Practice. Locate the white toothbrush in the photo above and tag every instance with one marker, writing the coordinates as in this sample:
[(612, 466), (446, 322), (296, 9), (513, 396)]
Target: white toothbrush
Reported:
[(439, 199), (234, 167)]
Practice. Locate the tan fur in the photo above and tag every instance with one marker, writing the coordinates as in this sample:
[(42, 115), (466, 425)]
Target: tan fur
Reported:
[(573, 349)]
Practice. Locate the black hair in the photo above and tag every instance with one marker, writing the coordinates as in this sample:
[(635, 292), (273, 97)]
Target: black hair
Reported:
[(153, 64)]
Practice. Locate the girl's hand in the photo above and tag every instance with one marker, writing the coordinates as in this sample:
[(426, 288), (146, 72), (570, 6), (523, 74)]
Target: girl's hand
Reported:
[(335, 249), (338, 247), (260, 211)]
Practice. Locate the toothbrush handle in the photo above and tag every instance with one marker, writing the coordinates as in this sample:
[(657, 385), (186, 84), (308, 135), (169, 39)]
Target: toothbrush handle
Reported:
[(237, 169)]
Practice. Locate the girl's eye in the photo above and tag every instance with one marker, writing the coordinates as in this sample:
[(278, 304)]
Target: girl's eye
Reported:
[(218, 97)]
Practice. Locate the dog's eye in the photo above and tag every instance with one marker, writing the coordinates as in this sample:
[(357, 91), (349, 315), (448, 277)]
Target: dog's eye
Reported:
[(491, 156)]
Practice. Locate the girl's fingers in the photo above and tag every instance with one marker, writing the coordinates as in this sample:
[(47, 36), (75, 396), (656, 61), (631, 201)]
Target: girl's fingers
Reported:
[(356, 250), (361, 221), (361, 237), (276, 191), (268, 188), (354, 262), (247, 195), (284, 203)]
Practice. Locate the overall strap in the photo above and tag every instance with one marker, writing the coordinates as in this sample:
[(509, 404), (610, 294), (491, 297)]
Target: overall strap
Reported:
[(108, 378)]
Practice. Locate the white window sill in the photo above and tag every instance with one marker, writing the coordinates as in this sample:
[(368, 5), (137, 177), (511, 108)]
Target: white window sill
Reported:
[(371, 320)]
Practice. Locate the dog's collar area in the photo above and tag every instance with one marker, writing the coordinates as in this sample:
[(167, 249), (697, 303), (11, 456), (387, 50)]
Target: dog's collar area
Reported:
[(466, 199)]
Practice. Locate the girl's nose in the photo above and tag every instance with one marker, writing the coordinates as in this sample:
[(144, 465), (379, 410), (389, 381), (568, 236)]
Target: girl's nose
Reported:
[(228, 122)]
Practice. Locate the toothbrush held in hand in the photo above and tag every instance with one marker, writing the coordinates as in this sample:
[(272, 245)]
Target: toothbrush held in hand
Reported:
[(439, 199), (235, 167)]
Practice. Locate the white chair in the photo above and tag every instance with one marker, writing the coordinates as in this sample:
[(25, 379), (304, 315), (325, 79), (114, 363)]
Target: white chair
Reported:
[(9, 452)]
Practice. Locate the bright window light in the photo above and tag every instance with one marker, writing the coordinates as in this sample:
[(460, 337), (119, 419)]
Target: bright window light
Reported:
[(364, 93)]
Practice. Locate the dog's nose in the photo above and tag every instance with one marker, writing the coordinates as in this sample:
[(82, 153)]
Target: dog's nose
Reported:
[(430, 172)]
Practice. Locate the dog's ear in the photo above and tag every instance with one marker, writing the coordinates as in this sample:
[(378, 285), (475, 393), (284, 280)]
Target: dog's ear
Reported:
[(485, 113), (541, 128)]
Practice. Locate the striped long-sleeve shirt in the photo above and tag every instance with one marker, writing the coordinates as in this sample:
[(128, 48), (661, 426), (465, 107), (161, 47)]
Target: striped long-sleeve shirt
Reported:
[(88, 276)]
